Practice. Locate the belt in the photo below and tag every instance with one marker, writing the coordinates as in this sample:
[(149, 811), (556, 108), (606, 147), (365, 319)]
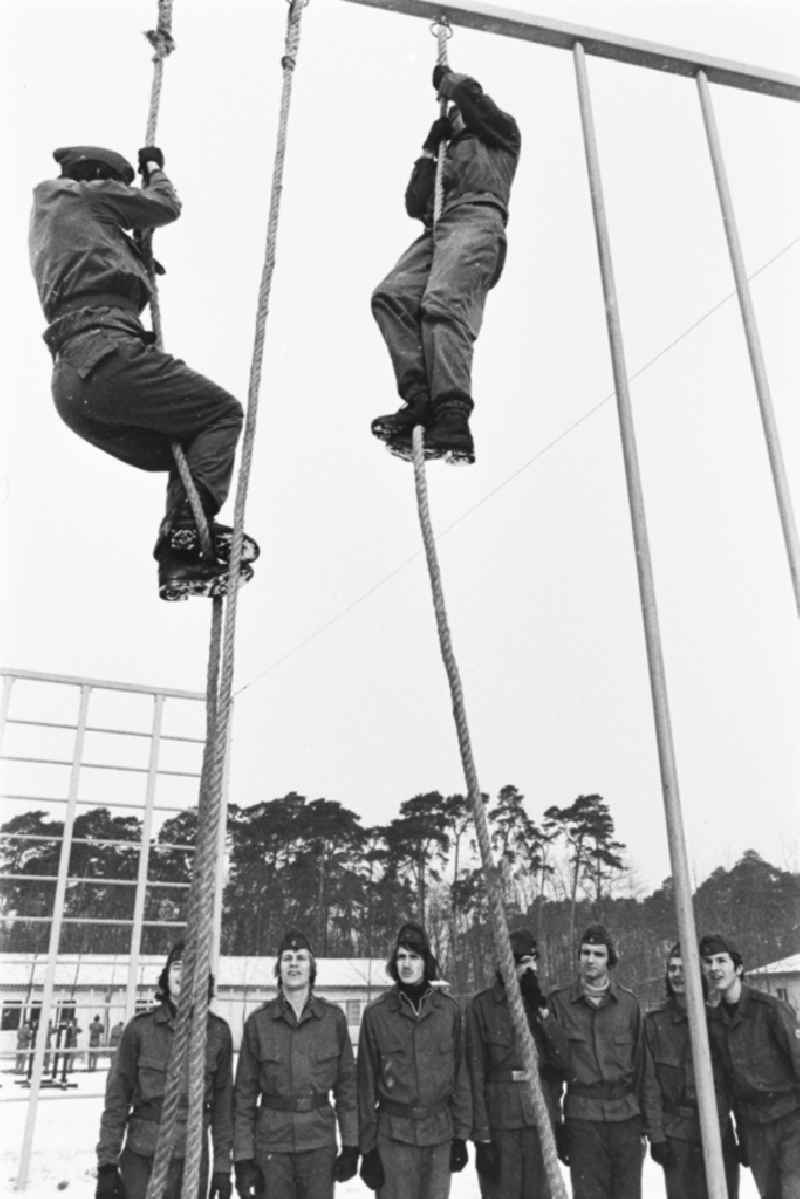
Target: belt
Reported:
[(295, 1103), (95, 299), (412, 1111), (508, 1076), (599, 1090)]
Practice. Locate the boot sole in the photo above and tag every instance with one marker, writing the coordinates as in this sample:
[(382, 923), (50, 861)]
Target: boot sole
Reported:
[(187, 541), (175, 590)]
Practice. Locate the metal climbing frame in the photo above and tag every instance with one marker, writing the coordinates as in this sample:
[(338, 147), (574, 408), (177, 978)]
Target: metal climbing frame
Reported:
[(580, 42), (28, 697)]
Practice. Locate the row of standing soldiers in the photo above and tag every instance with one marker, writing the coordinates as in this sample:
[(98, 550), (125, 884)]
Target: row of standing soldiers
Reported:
[(426, 1080)]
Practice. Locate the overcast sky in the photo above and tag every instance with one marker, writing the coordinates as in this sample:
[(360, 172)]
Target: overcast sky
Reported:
[(341, 689)]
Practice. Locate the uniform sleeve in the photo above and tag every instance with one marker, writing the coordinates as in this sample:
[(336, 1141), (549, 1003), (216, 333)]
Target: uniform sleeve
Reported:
[(419, 193), (345, 1090), (367, 1073), (476, 1060), (139, 208), (649, 1090), (119, 1093), (786, 1032), (556, 1040), (245, 1098), (462, 1094), (480, 113), (222, 1113)]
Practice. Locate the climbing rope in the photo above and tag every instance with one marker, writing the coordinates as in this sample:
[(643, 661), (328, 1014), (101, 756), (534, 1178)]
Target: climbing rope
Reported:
[(497, 913), (190, 1032)]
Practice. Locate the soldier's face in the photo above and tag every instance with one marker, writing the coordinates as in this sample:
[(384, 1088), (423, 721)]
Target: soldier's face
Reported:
[(174, 980), (295, 969), (528, 962), (675, 976), (720, 971), (410, 966), (593, 962)]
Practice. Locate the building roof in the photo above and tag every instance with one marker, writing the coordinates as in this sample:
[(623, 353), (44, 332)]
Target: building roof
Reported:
[(790, 965)]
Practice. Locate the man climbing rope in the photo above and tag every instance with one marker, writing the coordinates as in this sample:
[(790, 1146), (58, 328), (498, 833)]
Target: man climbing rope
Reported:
[(429, 307), (111, 385)]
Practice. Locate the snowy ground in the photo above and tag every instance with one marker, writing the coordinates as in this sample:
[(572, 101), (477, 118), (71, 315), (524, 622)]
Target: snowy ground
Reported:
[(63, 1158)]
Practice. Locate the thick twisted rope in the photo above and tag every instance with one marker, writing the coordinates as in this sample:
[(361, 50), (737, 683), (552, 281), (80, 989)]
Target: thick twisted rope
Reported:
[(493, 884)]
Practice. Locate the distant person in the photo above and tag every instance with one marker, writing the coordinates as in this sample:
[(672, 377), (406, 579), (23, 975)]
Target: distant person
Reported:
[(676, 1145), (135, 1091), (115, 1036), (295, 1082), (429, 308), (415, 1107), (96, 1035), (755, 1038), (611, 1090), (24, 1042), (111, 385), (71, 1033)]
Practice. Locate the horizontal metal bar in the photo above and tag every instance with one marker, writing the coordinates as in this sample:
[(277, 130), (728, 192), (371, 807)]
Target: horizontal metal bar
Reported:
[(182, 774), (98, 882), (47, 1094), (11, 919), (91, 728), (93, 840), (93, 803), (474, 14), (71, 680)]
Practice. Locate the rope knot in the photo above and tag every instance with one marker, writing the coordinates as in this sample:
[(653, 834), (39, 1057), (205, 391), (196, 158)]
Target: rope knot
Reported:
[(162, 42), (288, 62)]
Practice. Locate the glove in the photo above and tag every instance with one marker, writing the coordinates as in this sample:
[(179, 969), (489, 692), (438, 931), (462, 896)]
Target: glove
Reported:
[(531, 991), (439, 72), (109, 1183), (487, 1160), (562, 1143), (149, 154), (346, 1163), (372, 1174), (661, 1152), (220, 1185), (458, 1155), (249, 1179), (440, 131)]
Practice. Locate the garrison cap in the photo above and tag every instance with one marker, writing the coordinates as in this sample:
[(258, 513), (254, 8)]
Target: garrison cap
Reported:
[(596, 934), (414, 937), (68, 157), (294, 939), (715, 943), (523, 944)]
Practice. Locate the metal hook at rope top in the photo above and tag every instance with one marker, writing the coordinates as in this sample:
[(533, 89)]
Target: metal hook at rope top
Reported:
[(162, 42), (442, 27)]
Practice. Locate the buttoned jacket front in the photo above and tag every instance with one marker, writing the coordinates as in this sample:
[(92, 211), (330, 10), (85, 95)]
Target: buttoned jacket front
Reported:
[(758, 1048)]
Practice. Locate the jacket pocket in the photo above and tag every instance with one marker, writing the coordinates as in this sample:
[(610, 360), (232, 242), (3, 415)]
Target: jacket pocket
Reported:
[(152, 1076), (87, 351)]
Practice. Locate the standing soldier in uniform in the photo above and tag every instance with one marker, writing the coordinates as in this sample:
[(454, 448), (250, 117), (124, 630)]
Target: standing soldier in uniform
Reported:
[(415, 1108), (756, 1040), (508, 1155), (24, 1041), (135, 1092), (96, 1031), (676, 1144), (295, 1051), (598, 1030)]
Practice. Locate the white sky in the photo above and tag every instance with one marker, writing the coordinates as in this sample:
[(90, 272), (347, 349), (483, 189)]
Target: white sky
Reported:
[(348, 699)]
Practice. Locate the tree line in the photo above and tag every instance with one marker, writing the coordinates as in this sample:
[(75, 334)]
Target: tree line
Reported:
[(313, 863)]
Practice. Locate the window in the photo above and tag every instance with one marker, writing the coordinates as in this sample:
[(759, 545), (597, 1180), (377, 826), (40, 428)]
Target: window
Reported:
[(782, 994), (353, 1010), (10, 1017)]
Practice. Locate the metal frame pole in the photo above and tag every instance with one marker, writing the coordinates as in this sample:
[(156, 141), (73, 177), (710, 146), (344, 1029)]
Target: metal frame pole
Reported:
[(5, 704), (222, 834), (55, 937), (771, 435), (709, 1121), (144, 858)]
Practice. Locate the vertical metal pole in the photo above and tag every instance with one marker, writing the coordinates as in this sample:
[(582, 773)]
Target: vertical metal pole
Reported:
[(55, 937), (222, 834), (771, 435), (144, 857), (709, 1121), (5, 704)]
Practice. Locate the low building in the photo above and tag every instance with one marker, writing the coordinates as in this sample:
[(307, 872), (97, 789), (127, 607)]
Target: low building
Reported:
[(781, 978)]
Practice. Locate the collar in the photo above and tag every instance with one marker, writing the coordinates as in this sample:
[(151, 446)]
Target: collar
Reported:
[(281, 1008), (576, 994), (398, 1003), (499, 992), (162, 1015)]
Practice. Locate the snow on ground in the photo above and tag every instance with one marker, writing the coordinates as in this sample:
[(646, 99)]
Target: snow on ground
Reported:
[(63, 1159)]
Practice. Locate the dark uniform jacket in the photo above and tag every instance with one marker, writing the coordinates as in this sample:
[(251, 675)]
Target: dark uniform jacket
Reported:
[(666, 1031), (758, 1048), (287, 1069), (413, 1082), (608, 1070), (137, 1081), (480, 163), (499, 1099)]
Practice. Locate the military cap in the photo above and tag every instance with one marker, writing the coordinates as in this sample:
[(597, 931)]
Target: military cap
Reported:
[(414, 937), (294, 939), (715, 943), (523, 944), (596, 934), (68, 158)]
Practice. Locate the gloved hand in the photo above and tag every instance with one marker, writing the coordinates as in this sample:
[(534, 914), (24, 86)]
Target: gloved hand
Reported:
[(562, 1143), (531, 991), (458, 1155), (487, 1160), (249, 1179), (372, 1174), (109, 1183), (661, 1152), (220, 1187), (149, 154), (346, 1163), (440, 131), (439, 71)]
